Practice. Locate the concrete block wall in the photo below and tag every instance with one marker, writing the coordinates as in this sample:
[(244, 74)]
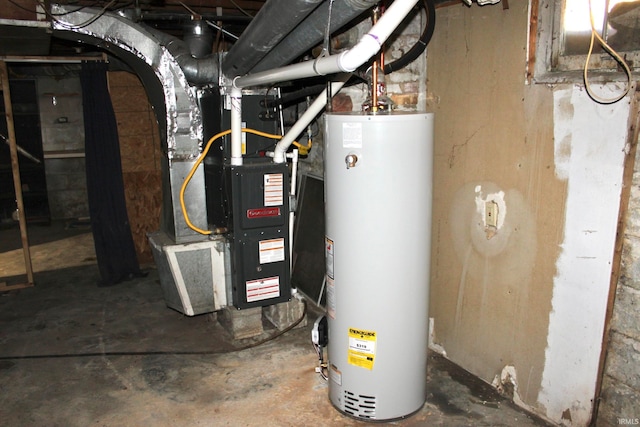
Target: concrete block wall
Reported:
[(62, 127)]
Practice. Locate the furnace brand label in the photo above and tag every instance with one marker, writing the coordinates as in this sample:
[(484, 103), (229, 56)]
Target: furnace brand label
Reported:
[(262, 212), (261, 289), (273, 189), (271, 250), (362, 348)]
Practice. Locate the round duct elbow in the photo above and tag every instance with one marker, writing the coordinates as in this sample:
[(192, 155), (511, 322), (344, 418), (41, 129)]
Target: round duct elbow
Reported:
[(197, 71), (198, 37)]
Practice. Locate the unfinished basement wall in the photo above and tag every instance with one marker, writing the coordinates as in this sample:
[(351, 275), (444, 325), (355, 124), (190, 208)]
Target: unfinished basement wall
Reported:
[(62, 127), (621, 382), (140, 152), (520, 301)]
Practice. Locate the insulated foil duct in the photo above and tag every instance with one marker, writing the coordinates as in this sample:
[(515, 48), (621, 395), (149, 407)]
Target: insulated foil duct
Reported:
[(173, 99), (275, 20)]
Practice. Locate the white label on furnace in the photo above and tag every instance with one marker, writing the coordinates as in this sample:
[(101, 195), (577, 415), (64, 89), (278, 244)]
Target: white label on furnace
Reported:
[(352, 135), (328, 256), (331, 298), (261, 289), (273, 189), (271, 250)]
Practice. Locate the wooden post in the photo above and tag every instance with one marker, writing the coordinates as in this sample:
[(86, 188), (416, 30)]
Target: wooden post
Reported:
[(4, 79)]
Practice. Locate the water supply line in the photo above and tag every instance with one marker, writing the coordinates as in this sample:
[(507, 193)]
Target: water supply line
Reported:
[(345, 62), (374, 68)]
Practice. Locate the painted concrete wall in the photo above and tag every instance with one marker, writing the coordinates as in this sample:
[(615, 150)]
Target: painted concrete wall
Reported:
[(621, 382), (522, 301)]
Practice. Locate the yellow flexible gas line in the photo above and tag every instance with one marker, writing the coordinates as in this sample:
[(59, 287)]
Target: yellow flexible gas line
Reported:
[(201, 158), (304, 149)]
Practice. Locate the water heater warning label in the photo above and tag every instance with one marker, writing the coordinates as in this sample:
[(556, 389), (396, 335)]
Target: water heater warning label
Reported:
[(362, 348), (352, 135)]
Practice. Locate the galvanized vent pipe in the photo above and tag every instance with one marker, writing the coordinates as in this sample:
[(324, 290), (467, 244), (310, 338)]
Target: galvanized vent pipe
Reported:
[(198, 37), (311, 31), (196, 70), (273, 22)]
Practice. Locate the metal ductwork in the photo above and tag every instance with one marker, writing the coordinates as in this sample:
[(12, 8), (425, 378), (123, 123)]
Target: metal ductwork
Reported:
[(197, 71), (198, 37), (311, 31), (275, 20), (173, 98)]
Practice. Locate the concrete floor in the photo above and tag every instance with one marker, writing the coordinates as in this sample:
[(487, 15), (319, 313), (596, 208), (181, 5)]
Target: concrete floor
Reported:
[(74, 354)]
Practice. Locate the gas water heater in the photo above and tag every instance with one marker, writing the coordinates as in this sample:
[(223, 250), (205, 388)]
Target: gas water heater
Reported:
[(378, 194)]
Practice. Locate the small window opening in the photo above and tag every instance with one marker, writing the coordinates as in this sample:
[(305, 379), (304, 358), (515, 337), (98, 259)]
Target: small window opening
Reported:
[(617, 22)]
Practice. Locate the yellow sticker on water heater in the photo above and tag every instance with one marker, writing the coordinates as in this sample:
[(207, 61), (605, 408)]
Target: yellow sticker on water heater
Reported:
[(362, 348)]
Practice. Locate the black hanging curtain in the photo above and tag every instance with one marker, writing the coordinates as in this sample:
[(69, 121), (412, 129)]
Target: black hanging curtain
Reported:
[(115, 252)]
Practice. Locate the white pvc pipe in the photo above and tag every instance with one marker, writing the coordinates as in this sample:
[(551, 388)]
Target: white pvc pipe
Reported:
[(279, 155), (236, 126), (347, 61)]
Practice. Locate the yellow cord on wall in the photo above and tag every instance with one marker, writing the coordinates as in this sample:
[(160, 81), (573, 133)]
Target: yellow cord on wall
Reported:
[(201, 158)]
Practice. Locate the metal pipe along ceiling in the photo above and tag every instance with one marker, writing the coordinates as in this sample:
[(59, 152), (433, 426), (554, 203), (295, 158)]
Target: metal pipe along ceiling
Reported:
[(273, 22), (311, 31)]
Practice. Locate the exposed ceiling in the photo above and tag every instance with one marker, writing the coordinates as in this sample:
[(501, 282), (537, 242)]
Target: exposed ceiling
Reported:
[(170, 16), (166, 15)]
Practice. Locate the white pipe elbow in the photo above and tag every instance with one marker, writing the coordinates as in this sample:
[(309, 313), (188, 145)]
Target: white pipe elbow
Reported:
[(353, 58)]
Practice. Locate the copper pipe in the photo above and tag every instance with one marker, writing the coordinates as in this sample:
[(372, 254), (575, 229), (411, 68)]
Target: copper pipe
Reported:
[(374, 69)]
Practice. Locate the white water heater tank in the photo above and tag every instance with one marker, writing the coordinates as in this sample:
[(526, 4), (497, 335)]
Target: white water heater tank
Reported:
[(378, 194)]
